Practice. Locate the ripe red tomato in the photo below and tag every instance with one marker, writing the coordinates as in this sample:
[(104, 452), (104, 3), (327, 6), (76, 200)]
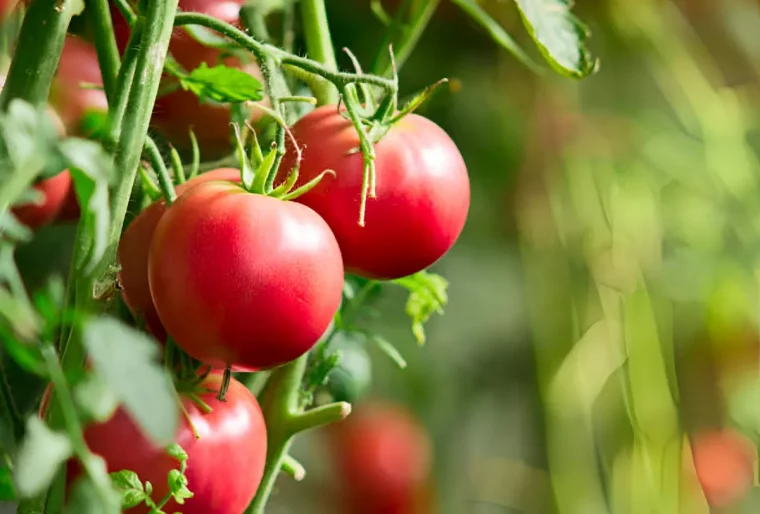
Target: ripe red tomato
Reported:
[(133, 253), (55, 191), (244, 280), (423, 192), (383, 458), (175, 113), (724, 463), (224, 466), (78, 65)]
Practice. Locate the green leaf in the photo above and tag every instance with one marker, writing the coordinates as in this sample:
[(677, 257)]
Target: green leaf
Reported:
[(128, 485), (42, 452), (222, 84), (95, 398), (13, 230), (497, 32), (129, 361), (560, 36), (178, 486), (92, 170), (84, 499), (208, 37), (388, 349), (427, 295), (177, 452), (7, 489)]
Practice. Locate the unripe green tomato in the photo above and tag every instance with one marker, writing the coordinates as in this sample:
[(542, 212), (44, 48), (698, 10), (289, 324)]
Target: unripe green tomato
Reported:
[(352, 377)]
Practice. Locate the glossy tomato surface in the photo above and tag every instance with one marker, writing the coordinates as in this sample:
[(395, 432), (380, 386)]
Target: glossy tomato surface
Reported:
[(383, 460), (224, 466), (423, 192), (78, 65), (724, 464), (243, 280), (55, 190), (133, 253)]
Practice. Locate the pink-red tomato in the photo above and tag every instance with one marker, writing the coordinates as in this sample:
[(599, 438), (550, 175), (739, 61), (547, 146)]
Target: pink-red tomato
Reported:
[(224, 467), (6, 6), (54, 190), (175, 113), (423, 192), (243, 280), (724, 463), (78, 65), (382, 456), (133, 253)]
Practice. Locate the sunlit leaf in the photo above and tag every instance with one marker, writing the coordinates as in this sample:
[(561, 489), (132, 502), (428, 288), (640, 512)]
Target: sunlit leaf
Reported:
[(129, 486), (39, 457), (129, 361), (222, 84), (560, 36), (427, 296)]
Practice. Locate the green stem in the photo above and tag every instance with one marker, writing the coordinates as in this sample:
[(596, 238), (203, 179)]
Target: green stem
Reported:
[(282, 58), (38, 50), (404, 35), (105, 43), (319, 45), (124, 79), (74, 429), (164, 180)]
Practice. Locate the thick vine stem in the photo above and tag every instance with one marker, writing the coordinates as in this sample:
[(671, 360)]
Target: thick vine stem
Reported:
[(319, 45), (38, 50), (281, 404), (281, 57)]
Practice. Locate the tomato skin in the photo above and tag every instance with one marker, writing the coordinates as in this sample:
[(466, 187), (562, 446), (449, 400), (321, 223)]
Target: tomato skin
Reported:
[(224, 466), (244, 280), (383, 459), (55, 190), (724, 463), (133, 251), (78, 64), (423, 192)]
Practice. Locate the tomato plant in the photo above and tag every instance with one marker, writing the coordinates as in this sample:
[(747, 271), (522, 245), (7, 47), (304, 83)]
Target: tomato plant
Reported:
[(243, 280), (133, 254), (422, 193), (232, 436)]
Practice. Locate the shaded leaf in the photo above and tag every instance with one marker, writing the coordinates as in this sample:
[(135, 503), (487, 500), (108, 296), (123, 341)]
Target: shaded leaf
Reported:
[(42, 452), (222, 84), (427, 295), (95, 397), (129, 361), (84, 498), (560, 36), (7, 489)]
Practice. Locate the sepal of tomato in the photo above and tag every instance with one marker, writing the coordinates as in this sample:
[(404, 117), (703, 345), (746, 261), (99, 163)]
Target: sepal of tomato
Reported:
[(422, 192), (241, 279), (133, 251), (225, 464)]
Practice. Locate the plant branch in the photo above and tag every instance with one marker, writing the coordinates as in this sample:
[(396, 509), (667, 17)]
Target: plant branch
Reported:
[(164, 179), (105, 44), (319, 46)]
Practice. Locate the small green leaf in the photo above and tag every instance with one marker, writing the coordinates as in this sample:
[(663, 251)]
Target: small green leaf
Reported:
[(427, 295), (177, 452), (388, 349), (95, 397), (560, 36), (129, 361), (128, 485), (222, 84), (42, 452), (178, 486), (497, 32)]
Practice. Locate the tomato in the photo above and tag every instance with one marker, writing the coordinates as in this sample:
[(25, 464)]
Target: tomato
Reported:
[(55, 190), (423, 192), (383, 458), (175, 113), (6, 6), (78, 64), (133, 253), (244, 280), (724, 463), (225, 465)]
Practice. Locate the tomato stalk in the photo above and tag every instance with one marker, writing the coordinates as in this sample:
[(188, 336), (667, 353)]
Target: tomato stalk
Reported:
[(404, 33), (105, 43), (38, 50), (283, 411), (164, 179), (319, 46)]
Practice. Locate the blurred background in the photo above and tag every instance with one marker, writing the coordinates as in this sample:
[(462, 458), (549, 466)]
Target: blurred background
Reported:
[(599, 353)]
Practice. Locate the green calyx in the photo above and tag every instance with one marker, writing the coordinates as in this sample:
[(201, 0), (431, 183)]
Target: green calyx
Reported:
[(258, 171)]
